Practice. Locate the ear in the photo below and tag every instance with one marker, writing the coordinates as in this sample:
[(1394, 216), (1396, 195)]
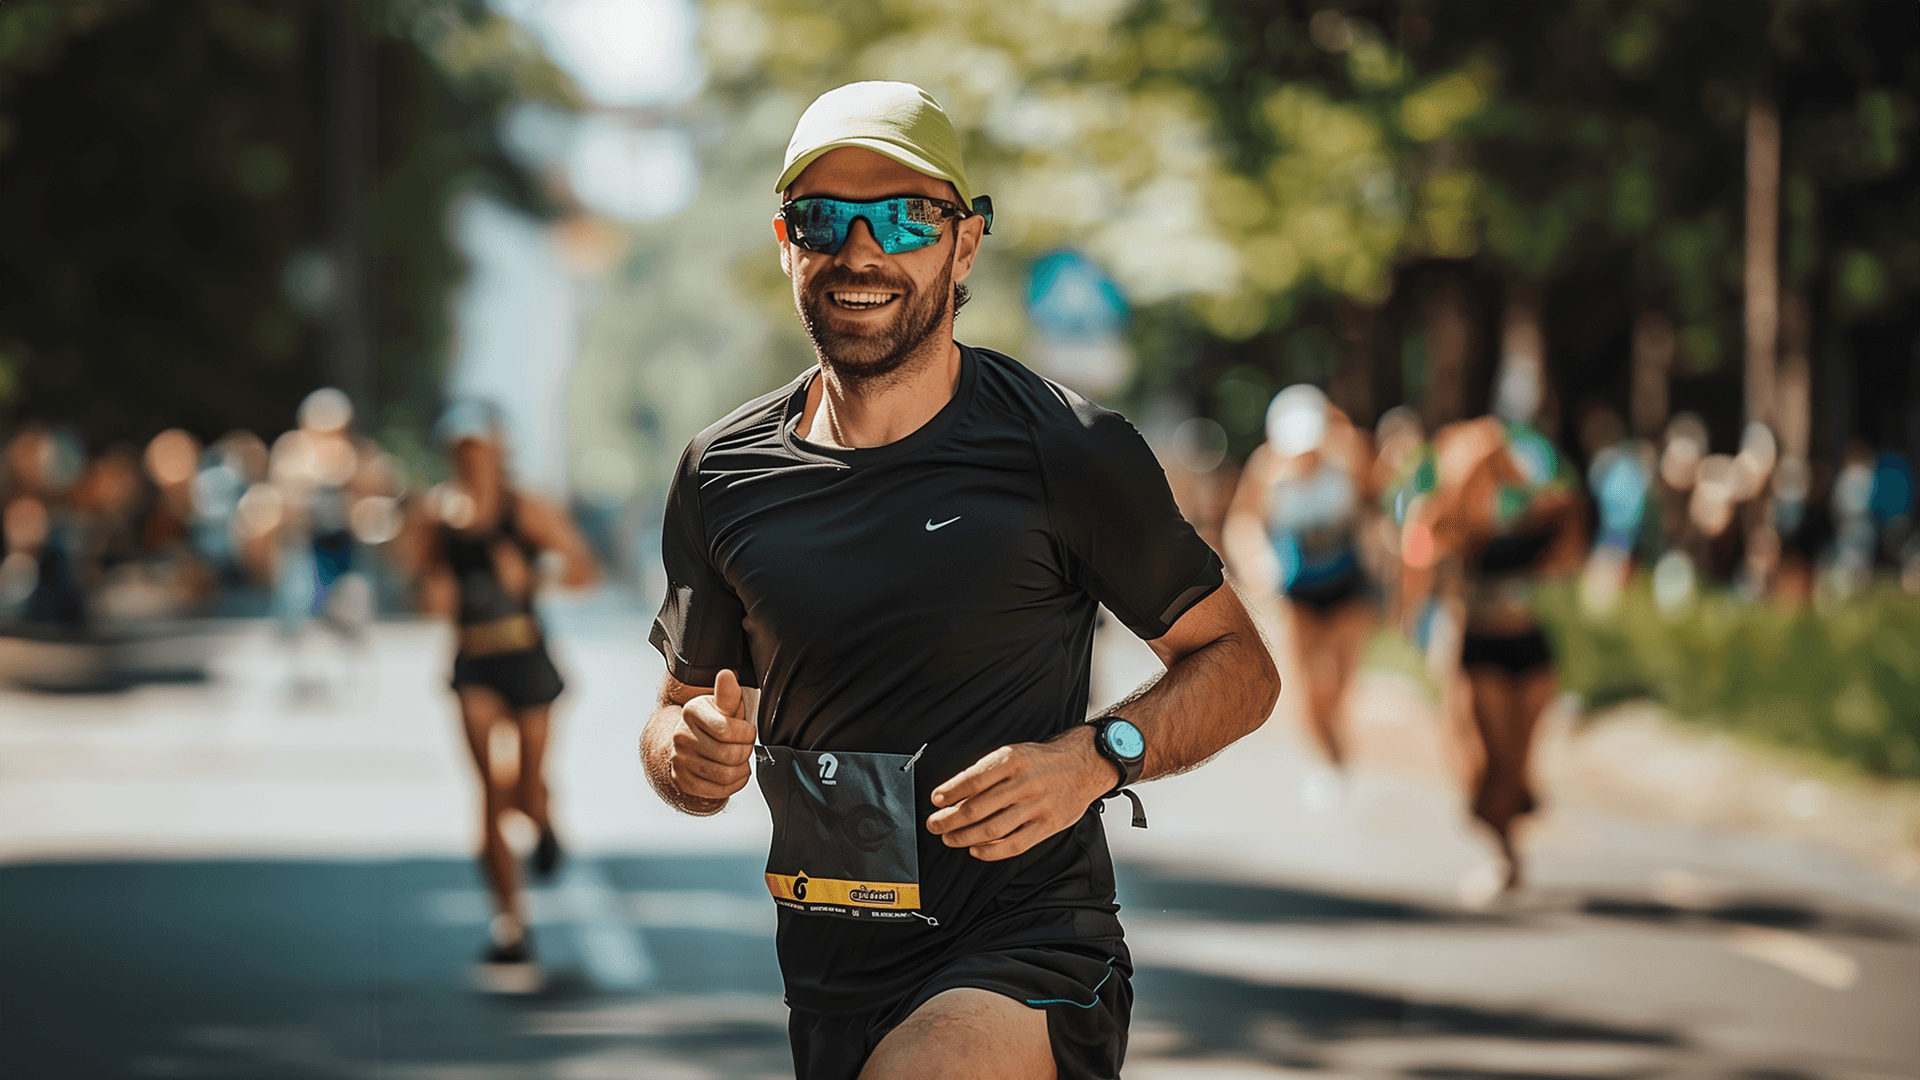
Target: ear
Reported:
[(966, 244), (786, 251)]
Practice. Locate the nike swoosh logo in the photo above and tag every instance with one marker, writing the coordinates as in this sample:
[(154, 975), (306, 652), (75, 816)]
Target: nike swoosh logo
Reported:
[(931, 526)]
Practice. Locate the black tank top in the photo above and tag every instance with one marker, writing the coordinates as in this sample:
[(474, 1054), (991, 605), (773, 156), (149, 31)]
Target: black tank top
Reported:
[(1512, 553), (470, 557)]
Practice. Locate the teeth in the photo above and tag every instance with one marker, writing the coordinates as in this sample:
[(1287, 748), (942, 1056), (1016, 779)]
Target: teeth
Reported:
[(856, 298)]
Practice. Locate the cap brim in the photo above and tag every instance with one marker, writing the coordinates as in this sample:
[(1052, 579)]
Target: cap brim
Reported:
[(886, 149)]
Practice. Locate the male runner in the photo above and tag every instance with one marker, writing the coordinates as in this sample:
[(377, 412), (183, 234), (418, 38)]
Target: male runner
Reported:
[(882, 581)]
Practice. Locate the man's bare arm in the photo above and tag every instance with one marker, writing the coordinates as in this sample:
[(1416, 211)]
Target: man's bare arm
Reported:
[(1220, 684), (697, 743)]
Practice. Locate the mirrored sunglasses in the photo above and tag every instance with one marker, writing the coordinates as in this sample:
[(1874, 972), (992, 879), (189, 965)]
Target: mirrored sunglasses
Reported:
[(902, 223)]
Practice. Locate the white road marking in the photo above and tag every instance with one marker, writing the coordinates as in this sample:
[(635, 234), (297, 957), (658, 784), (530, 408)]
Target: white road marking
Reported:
[(1814, 961), (614, 952)]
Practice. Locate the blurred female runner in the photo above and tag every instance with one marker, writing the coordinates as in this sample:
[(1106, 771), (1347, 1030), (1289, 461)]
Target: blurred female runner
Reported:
[(1506, 514), (1296, 520), (480, 550)]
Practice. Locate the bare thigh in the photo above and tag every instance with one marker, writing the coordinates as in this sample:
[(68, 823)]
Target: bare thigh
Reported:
[(532, 783), (1535, 692), (481, 709), (1352, 627), (966, 1034), (1508, 711)]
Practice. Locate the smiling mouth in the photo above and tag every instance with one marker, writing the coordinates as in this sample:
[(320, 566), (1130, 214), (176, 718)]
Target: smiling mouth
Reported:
[(862, 301)]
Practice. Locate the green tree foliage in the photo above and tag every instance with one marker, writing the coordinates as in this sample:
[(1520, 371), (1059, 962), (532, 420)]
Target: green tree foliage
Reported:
[(1551, 140), (1073, 114), (1249, 169), (161, 171)]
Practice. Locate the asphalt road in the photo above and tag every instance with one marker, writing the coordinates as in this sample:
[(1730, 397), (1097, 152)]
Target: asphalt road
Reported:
[(264, 875)]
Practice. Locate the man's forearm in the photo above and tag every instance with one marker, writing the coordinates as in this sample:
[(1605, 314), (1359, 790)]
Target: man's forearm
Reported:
[(1207, 701), (656, 758)]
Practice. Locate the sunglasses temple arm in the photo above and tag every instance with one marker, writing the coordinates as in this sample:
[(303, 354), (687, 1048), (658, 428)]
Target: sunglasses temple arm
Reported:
[(983, 205)]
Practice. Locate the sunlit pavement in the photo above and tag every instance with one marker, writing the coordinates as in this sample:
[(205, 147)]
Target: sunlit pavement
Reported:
[(266, 875)]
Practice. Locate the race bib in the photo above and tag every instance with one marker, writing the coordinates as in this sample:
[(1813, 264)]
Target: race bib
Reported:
[(844, 832)]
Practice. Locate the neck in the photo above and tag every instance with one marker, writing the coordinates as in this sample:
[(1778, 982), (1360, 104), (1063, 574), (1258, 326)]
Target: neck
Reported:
[(853, 414)]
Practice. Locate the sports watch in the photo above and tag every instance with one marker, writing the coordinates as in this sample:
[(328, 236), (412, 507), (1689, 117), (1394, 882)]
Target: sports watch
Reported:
[(1120, 742)]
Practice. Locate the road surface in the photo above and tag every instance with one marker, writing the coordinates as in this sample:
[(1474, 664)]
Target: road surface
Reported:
[(266, 875)]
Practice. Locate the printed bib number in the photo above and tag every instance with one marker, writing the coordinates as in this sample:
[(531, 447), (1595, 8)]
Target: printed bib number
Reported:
[(844, 838)]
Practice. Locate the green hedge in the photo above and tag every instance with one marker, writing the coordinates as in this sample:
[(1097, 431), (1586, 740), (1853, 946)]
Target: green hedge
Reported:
[(1840, 680)]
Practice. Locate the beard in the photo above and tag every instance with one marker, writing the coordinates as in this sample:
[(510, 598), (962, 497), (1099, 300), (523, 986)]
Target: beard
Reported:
[(862, 354)]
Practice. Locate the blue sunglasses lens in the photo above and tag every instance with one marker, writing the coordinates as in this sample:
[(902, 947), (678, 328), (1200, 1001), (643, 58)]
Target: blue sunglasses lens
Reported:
[(902, 224)]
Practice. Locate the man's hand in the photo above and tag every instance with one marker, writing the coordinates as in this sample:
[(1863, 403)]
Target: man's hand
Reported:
[(710, 745), (1019, 795)]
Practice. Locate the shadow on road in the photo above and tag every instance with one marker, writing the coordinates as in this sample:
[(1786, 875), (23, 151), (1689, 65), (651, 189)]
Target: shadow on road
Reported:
[(1774, 913), (1204, 1019), (658, 966), (267, 969), (1152, 890), (1217, 1016)]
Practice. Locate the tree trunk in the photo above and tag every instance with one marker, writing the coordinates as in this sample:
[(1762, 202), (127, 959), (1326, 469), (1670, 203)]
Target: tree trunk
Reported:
[(1653, 348), (1763, 258), (1793, 401), (1351, 387), (347, 176), (1447, 326)]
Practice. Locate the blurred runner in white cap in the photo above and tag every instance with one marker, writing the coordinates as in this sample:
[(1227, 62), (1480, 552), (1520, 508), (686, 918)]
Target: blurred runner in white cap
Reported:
[(882, 584), (1294, 529)]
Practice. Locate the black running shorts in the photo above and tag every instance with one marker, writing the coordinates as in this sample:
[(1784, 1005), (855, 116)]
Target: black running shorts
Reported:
[(1514, 655), (524, 679), (1324, 596), (1085, 988)]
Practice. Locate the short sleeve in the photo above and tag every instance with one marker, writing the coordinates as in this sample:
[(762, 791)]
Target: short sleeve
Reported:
[(699, 629), (1113, 513)]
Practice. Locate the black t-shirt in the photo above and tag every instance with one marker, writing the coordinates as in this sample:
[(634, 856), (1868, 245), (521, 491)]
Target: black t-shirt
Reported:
[(940, 590)]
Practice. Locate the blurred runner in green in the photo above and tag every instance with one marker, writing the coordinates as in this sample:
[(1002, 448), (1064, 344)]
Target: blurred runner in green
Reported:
[(1506, 515)]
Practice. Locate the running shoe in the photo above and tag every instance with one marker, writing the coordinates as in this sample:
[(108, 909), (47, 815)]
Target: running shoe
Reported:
[(509, 969), (546, 855), (520, 952)]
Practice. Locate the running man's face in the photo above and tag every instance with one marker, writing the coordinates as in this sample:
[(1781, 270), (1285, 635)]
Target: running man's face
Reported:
[(869, 312)]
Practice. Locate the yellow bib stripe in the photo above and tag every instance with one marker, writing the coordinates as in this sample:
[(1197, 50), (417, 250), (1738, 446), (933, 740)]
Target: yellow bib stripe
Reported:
[(873, 894)]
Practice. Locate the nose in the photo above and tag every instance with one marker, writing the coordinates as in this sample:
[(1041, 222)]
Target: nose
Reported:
[(861, 251)]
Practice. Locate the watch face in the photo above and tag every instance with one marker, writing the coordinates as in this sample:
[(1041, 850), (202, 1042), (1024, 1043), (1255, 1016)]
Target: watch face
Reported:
[(1125, 740)]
